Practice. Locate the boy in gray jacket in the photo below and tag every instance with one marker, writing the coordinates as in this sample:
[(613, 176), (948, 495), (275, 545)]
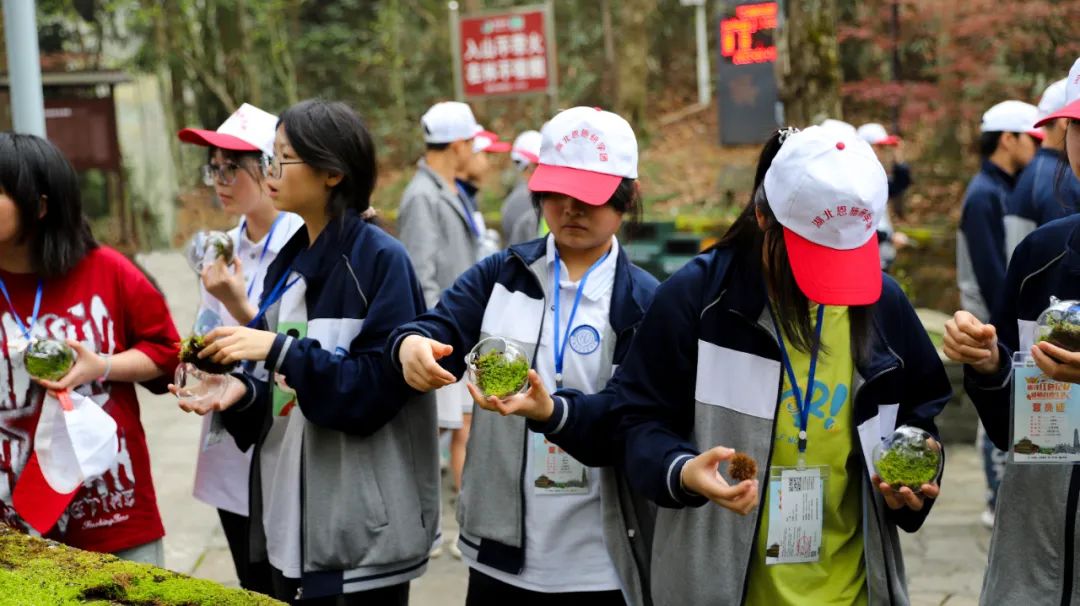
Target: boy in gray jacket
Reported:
[(443, 237)]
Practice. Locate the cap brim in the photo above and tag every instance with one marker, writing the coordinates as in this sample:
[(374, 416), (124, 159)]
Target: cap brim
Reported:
[(585, 185), (498, 147), (1071, 111), (528, 155), (210, 138), (889, 141), (1036, 134), (36, 502), (835, 277)]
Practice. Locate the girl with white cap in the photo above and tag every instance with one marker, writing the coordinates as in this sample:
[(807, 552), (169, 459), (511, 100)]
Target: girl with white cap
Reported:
[(785, 342), (1035, 547), (230, 293), (537, 525)]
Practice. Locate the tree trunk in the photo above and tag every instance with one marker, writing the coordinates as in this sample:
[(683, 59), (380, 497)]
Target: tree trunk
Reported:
[(633, 66), (808, 70)]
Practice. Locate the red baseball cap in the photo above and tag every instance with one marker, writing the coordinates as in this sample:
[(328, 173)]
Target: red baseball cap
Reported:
[(1071, 111), (487, 141), (248, 129), (585, 153)]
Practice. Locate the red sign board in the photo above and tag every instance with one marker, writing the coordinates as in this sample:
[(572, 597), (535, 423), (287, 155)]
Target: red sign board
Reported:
[(747, 38), (505, 53)]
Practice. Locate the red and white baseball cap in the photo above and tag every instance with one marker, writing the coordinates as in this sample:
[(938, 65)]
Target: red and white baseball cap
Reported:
[(875, 134), (828, 190), (526, 148), (585, 152), (1055, 97), (247, 129), (1012, 117), (1071, 107), (449, 121), (487, 141)]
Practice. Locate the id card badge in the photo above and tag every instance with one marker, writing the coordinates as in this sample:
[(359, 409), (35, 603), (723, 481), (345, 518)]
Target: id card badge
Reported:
[(555, 471), (1045, 416), (284, 397), (796, 503)]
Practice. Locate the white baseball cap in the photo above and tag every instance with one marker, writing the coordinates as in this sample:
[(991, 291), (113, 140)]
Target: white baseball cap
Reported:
[(828, 190), (449, 121), (1012, 117), (875, 134), (837, 126), (1054, 98), (247, 129), (1072, 98), (526, 148), (585, 152)]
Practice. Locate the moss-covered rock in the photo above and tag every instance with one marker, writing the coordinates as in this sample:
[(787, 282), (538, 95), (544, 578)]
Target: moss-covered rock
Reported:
[(39, 572)]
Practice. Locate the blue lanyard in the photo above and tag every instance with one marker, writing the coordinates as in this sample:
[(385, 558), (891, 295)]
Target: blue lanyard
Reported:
[(266, 246), (464, 197), (803, 400), (560, 349), (33, 318), (275, 295)]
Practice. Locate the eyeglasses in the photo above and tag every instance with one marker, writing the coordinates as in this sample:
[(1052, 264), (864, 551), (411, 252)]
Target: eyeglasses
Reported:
[(271, 166), (224, 174)]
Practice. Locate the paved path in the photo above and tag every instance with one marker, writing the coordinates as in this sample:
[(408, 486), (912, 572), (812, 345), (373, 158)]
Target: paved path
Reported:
[(945, 560)]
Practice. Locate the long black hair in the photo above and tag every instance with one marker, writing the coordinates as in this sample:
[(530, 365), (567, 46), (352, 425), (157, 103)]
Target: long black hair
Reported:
[(330, 136), (766, 246), (45, 188)]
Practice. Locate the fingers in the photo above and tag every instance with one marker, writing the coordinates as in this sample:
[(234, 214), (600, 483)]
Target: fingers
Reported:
[(718, 454), (1057, 363), (536, 385), (440, 350), (930, 491), (438, 375)]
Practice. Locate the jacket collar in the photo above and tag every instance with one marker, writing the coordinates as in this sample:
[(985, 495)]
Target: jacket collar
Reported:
[(996, 173), (629, 299), (450, 195), (748, 300)]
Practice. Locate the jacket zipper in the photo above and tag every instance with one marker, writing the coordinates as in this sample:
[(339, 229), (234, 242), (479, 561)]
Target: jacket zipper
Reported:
[(873, 503), (1070, 536), (772, 444), (525, 448)]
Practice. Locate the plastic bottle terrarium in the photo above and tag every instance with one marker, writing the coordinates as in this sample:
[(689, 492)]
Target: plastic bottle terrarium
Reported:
[(909, 457), (48, 359), (1060, 324), (498, 367), (199, 380), (206, 247)]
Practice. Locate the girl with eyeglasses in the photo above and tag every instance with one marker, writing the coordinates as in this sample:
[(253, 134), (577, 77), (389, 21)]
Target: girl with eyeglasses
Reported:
[(345, 471), (230, 293)]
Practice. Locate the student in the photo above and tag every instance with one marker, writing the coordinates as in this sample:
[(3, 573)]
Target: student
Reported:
[(57, 282), (1033, 551), (890, 151), (344, 488), (1007, 144), (1046, 190), (571, 301), (439, 229), (231, 293), (518, 205), (786, 329), (470, 179)]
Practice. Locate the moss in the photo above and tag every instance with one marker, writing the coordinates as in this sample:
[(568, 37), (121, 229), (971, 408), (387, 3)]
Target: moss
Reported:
[(908, 465), (189, 352), (1065, 335), (742, 467), (35, 571), (48, 359), (497, 376), (222, 245)]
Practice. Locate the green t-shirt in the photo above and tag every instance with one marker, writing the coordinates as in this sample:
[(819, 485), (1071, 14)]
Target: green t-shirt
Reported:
[(839, 576)]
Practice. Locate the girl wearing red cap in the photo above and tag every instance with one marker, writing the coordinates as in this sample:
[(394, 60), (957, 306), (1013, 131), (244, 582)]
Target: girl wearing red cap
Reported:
[(786, 344), (1035, 546), (537, 525), (56, 282), (230, 296)]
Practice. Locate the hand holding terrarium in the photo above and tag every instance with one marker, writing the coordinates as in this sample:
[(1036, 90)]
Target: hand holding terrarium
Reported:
[(534, 403), (199, 382), (908, 464), (498, 368), (1057, 351)]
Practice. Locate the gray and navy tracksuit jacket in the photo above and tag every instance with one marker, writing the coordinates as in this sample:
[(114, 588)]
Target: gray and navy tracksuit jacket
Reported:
[(1033, 552), (368, 481), (505, 295), (1047, 190), (980, 241), (704, 371)]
